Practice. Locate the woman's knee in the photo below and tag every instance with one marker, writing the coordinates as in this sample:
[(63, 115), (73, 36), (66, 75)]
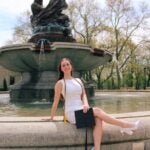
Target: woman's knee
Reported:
[(97, 111), (98, 120)]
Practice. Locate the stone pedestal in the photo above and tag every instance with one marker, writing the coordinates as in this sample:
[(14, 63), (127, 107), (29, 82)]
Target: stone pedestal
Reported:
[(39, 86), (35, 86)]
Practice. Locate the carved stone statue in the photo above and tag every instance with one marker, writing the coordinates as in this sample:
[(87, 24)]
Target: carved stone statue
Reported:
[(50, 19)]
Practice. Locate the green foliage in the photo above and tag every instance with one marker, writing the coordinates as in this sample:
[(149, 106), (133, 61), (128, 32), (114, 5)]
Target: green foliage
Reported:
[(128, 80), (110, 84), (139, 80)]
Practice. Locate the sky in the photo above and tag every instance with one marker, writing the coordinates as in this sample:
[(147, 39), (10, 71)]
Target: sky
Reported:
[(10, 10)]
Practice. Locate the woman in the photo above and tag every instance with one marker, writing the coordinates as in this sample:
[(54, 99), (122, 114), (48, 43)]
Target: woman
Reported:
[(72, 89)]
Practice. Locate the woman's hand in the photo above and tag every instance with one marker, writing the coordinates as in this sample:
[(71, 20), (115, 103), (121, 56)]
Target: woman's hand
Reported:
[(85, 108)]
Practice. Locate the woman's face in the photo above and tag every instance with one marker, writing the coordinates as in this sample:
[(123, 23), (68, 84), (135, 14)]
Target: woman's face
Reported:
[(66, 66)]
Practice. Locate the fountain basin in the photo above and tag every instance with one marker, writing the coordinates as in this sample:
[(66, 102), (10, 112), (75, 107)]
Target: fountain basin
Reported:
[(38, 66), (26, 58)]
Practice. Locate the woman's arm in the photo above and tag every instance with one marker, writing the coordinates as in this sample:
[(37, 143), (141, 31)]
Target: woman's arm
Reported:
[(85, 102), (58, 89), (84, 99)]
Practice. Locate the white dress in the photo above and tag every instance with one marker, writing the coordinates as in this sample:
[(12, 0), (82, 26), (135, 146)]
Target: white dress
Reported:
[(72, 97)]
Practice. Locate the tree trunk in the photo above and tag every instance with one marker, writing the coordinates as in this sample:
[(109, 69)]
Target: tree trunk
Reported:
[(118, 77)]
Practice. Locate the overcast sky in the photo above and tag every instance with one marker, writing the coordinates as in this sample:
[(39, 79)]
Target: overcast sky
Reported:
[(10, 10)]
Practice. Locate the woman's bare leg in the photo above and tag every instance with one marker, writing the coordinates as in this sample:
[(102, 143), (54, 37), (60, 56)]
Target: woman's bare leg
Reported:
[(97, 133), (111, 120)]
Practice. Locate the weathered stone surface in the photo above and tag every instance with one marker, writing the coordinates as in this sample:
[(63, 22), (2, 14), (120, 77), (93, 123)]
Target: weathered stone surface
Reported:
[(31, 133), (26, 58)]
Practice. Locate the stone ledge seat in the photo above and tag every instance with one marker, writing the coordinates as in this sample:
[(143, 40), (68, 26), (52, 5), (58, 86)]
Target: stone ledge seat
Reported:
[(31, 133)]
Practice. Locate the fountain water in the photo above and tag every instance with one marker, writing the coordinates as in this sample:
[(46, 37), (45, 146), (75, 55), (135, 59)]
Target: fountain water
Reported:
[(111, 102)]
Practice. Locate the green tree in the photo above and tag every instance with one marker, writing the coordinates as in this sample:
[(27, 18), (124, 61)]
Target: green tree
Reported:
[(85, 20), (98, 72), (124, 22), (87, 23)]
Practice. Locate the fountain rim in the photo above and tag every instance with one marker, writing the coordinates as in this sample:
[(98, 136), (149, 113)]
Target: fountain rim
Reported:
[(54, 45)]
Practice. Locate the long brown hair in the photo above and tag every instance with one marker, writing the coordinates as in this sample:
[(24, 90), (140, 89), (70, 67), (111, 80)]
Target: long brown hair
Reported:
[(61, 74)]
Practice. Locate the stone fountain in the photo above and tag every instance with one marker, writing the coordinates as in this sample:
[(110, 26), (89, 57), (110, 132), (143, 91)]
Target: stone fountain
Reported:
[(37, 60)]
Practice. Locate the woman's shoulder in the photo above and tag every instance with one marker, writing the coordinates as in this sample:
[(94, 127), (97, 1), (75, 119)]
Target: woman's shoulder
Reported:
[(59, 83), (78, 79), (58, 86)]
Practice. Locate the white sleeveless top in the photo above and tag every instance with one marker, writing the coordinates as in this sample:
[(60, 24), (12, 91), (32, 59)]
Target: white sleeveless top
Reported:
[(72, 97)]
